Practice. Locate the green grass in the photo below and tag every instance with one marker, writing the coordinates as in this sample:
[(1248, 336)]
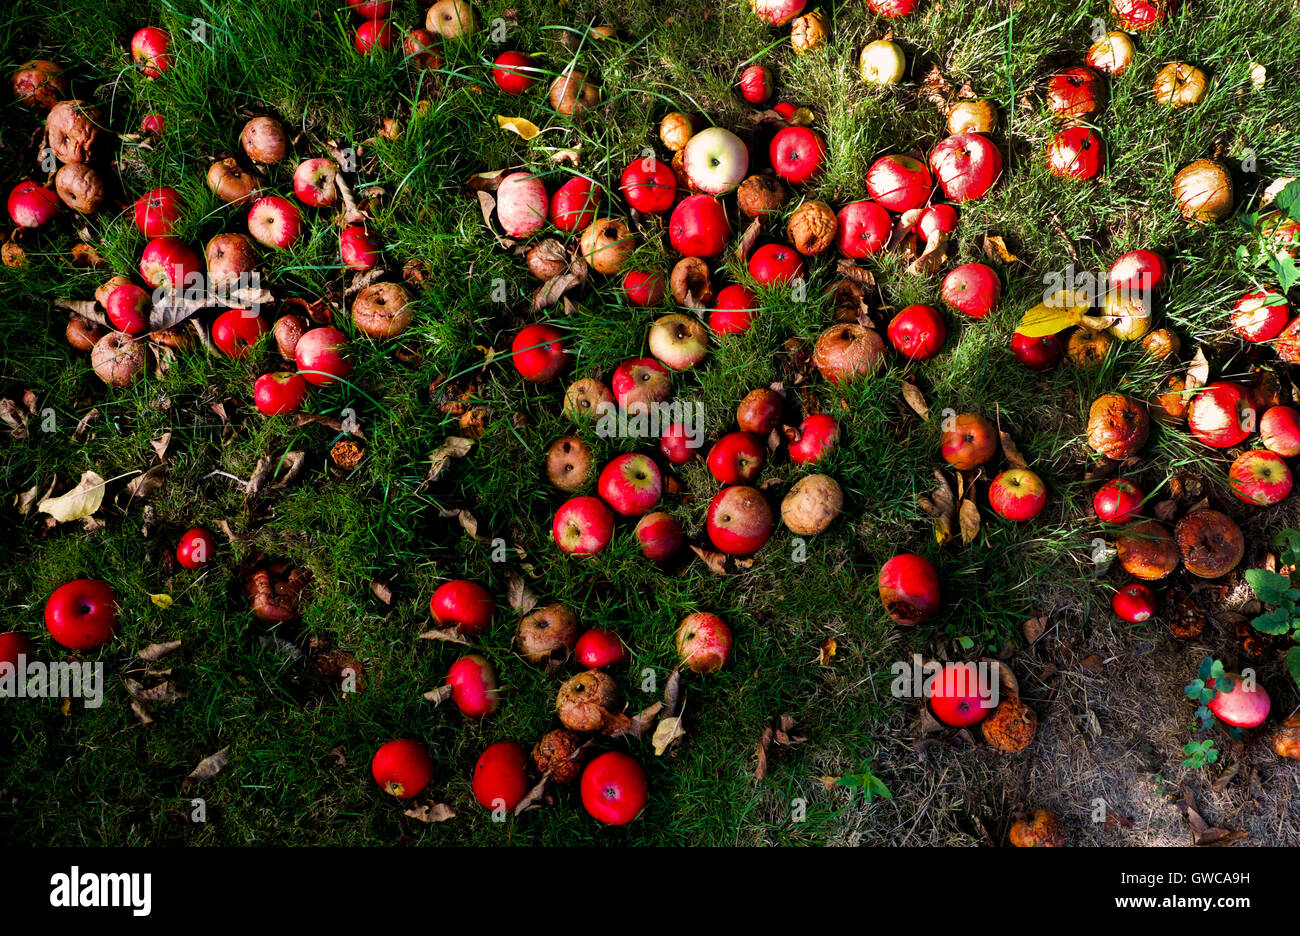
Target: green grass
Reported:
[(99, 777)]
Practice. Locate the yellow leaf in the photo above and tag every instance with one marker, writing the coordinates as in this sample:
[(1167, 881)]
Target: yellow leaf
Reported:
[(525, 128), (1061, 311), (828, 649), (163, 601), (666, 732), (82, 501)]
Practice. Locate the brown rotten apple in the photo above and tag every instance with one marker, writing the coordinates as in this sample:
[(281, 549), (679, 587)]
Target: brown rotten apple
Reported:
[(585, 700), (572, 93), (811, 228), (1042, 829), (1209, 542), (968, 441), (606, 244), (1179, 84), (264, 140), (676, 130), (82, 333), (382, 310), (569, 462), (846, 352), (690, 283), (1086, 349), (548, 633), (1146, 550), (760, 195), (1286, 740), (229, 257), (584, 398), (118, 359), (1118, 426), (73, 131), (547, 259), (288, 329), (760, 411), (230, 182), (80, 187), (812, 504), (972, 117), (39, 84), (557, 755), (1203, 191), (1011, 727)]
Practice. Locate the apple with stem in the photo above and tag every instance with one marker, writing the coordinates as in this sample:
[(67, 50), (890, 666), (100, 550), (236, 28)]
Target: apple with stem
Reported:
[(775, 265), (574, 204), (402, 767), (1134, 603), (969, 440), (1075, 153), (862, 228), (1037, 354), (797, 154), (359, 248), (1018, 495), (315, 182), (715, 160), (639, 383), (171, 262), (274, 221), (972, 288), (816, 439), (583, 526), (322, 356), (464, 605), (737, 458), (698, 227), (128, 308), (649, 185), (631, 484), (280, 393)]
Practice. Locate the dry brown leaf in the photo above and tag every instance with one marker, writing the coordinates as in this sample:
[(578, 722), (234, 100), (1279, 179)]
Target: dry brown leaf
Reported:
[(1198, 372), (156, 651), (554, 289), (160, 446), (26, 500), (673, 693), (430, 812), (721, 563), (748, 239), (142, 713), (860, 275), (291, 464), (209, 767), (382, 591), (764, 745), (261, 471), (826, 652), (666, 733), (518, 595), (449, 634), (969, 518), (995, 248), (439, 695), (84, 422), (1013, 456), (932, 257), (915, 399), (1034, 628), (535, 797), (468, 522), (163, 692), (942, 506), (82, 501)]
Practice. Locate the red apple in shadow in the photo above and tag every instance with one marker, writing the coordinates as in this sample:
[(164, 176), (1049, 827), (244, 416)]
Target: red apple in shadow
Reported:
[(473, 686), (614, 788), (82, 615), (465, 605), (402, 767)]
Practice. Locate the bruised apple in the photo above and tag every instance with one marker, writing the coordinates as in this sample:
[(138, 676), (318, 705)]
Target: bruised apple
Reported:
[(1209, 542), (547, 633), (909, 589), (969, 440), (847, 352), (585, 701), (1146, 550), (1118, 426)]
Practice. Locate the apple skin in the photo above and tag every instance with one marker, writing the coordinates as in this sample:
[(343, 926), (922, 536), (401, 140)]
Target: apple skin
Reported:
[(1134, 603), (280, 393), (1279, 430), (966, 166), (862, 228), (675, 446), (373, 34), (954, 695), (31, 205), (882, 62), (150, 49), (736, 458), (128, 308), (644, 289), (82, 615), (313, 182), (1075, 93), (659, 535), (500, 778), (972, 288), (1240, 707), (1219, 414), (698, 227), (899, 183), (733, 310), (614, 788), (583, 526), (522, 204), (775, 264), (649, 185), (679, 341), (12, 646), (937, 219), (760, 412), (372, 9), (715, 160), (1260, 478), (797, 154), (1260, 315), (1112, 54), (539, 353), (575, 203), (1140, 272), (169, 261), (1140, 15), (739, 520), (274, 221), (757, 85), (1075, 153), (599, 648), (474, 686), (1117, 501), (402, 767), (153, 123), (1037, 354), (157, 211), (196, 549), (777, 12), (514, 72), (359, 248), (971, 441), (893, 8), (640, 381), (236, 331), (818, 436), (631, 484), (917, 332), (465, 605), (909, 589), (703, 642), (1018, 495), (322, 356)]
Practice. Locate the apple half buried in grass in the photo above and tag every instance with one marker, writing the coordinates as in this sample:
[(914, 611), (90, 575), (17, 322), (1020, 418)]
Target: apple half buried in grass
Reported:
[(909, 589), (815, 439), (733, 310), (236, 332), (644, 289), (739, 520), (703, 642), (583, 526), (157, 211)]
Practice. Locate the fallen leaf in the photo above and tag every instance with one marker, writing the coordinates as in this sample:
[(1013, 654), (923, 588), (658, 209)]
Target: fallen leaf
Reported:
[(861, 275), (142, 486), (156, 651), (748, 239), (25, 501), (995, 248), (666, 732), (1198, 372), (261, 471), (518, 595), (969, 518), (382, 591), (142, 713), (160, 446), (826, 652), (525, 128), (449, 634), (764, 744), (1013, 456), (1060, 311), (468, 522), (1033, 628), (913, 397), (163, 600), (82, 501), (163, 692), (439, 695), (84, 422), (291, 464), (554, 289), (534, 798), (720, 563), (673, 693), (932, 257), (942, 506), (209, 767)]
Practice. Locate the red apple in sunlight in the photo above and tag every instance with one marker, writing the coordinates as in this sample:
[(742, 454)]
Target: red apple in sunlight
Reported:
[(1037, 354), (969, 440), (631, 484), (659, 535), (1075, 153), (1260, 477), (649, 185), (966, 165), (614, 788), (797, 154), (1242, 706), (236, 331), (1279, 430), (640, 383), (936, 220), (539, 353), (196, 548), (1075, 93), (1221, 414), (359, 247), (1134, 603), (274, 221), (473, 686), (862, 228), (777, 12), (757, 85), (31, 205), (733, 310), (899, 183), (314, 182), (1117, 501), (402, 767), (1112, 54), (1139, 271), (698, 227), (644, 289), (909, 589), (574, 204), (893, 8), (739, 521), (128, 308), (703, 642), (775, 264), (151, 51), (1017, 494), (956, 696), (82, 615), (157, 211), (322, 356), (817, 437), (972, 288), (279, 393), (170, 261), (917, 332), (1140, 15), (1260, 315), (514, 72), (599, 648), (583, 526), (736, 457)]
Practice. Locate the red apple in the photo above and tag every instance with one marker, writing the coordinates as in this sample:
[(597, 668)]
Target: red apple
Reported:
[(649, 185), (402, 767), (128, 308), (583, 526), (150, 50), (359, 248), (703, 642), (154, 124), (737, 457), (797, 154), (514, 72), (969, 440), (966, 166), (733, 310), (757, 85), (522, 204), (1017, 494), (575, 203), (660, 536), (972, 288), (1140, 272), (1117, 501), (614, 788), (631, 484), (500, 777), (1134, 603), (775, 264), (1260, 315), (82, 615), (170, 261), (909, 589), (1279, 430), (539, 353), (13, 645), (373, 34), (1075, 153), (1140, 15), (644, 289), (279, 393), (956, 697), (322, 356), (1240, 706), (675, 444), (862, 228), (640, 382), (899, 183), (157, 211), (473, 686), (236, 331), (1037, 354), (1075, 93), (372, 9), (1221, 415), (31, 205), (599, 649), (937, 219), (698, 227), (1260, 477), (314, 182), (917, 332), (196, 549), (465, 605), (893, 8), (777, 12), (818, 435), (274, 221), (739, 520)]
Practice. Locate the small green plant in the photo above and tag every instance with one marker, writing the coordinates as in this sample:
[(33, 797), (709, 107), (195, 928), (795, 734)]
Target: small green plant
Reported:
[(1283, 593), (1200, 753), (866, 781), (1266, 251)]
